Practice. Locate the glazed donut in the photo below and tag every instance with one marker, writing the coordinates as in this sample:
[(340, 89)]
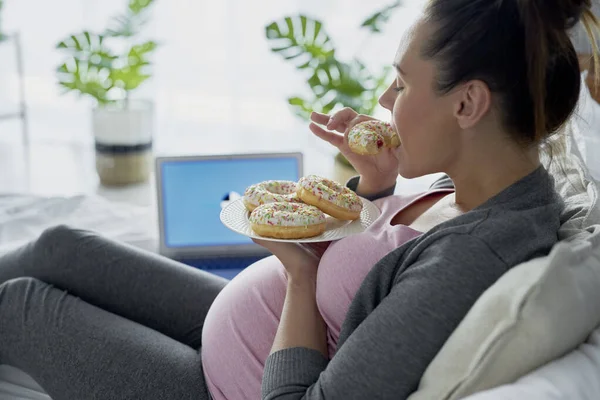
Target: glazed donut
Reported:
[(367, 138), (285, 220), (270, 192), (331, 197)]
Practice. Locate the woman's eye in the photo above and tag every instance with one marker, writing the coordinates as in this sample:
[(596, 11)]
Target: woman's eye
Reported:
[(398, 89)]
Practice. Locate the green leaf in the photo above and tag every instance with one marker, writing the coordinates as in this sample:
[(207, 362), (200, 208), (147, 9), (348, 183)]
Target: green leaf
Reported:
[(301, 107), (301, 39), (83, 79), (90, 68), (303, 21), (122, 26), (376, 21), (75, 41), (317, 25), (137, 6), (88, 38), (132, 22), (62, 69), (336, 84), (81, 44), (143, 49)]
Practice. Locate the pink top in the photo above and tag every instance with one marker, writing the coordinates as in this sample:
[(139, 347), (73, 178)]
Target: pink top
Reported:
[(241, 324)]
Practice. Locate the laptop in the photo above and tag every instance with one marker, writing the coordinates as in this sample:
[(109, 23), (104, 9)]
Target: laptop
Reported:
[(192, 190)]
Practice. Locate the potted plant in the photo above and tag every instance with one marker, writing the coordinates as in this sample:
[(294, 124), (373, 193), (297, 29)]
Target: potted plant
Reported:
[(122, 126), (332, 83)]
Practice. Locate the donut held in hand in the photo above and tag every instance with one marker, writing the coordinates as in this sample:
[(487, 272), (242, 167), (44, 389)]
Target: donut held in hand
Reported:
[(286, 220), (330, 197), (270, 192), (369, 137)]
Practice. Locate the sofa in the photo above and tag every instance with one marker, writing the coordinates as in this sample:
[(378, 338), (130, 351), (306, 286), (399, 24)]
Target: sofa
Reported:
[(535, 334)]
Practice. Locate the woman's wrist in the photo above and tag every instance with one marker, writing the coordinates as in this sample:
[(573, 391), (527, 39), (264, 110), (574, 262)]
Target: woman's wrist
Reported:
[(368, 187), (302, 279)]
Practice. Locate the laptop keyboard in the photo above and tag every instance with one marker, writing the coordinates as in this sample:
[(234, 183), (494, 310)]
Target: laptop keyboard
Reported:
[(225, 267), (219, 263)]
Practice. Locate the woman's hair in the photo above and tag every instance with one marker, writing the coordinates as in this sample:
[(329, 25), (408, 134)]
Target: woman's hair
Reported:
[(521, 49)]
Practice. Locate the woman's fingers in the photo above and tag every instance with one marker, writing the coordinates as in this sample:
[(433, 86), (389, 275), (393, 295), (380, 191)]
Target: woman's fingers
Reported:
[(336, 122), (334, 138), (319, 118), (339, 121)]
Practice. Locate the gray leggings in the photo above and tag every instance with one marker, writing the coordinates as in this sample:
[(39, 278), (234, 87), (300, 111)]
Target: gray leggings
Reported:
[(89, 318)]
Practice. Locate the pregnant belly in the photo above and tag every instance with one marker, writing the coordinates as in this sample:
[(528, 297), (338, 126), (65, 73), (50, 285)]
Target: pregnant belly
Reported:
[(240, 328)]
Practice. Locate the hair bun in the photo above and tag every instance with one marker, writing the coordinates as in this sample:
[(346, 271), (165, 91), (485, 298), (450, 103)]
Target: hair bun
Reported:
[(561, 14)]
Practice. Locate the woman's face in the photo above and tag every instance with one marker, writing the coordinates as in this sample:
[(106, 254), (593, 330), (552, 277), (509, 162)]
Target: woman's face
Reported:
[(423, 119)]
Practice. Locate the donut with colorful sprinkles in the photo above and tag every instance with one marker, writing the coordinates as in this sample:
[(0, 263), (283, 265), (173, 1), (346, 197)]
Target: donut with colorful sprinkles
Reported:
[(330, 197), (367, 138), (270, 192), (285, 220)]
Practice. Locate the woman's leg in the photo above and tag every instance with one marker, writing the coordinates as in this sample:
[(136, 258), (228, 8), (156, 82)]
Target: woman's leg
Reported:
[(146, 288), (77, 351)]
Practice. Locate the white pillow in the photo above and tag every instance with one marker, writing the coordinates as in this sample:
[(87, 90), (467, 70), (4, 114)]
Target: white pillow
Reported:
[(575, 185), (587, 120), (535, 313), (575, 376)]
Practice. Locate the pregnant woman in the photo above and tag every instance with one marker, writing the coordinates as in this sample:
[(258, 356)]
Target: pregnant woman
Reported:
[(480, 85)]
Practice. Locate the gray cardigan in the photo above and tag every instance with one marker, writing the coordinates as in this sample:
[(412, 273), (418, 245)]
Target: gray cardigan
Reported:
[(412, 300)]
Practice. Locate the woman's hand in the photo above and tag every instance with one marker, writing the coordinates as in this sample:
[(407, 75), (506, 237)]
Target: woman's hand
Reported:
[(377, 172), (299, 261), (300, 324)]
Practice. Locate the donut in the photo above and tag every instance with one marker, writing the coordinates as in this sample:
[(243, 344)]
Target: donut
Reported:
[(285, 220), (270, 192), (367, 138), (330, 197)]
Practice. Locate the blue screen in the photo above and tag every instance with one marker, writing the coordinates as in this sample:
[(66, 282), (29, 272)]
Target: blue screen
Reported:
[(193, 193)]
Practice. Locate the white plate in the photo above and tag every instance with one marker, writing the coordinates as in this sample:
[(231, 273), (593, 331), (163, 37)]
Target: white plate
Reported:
[(235, 217)]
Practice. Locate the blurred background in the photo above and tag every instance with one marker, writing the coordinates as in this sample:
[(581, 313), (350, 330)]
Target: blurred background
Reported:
[(210, 75)]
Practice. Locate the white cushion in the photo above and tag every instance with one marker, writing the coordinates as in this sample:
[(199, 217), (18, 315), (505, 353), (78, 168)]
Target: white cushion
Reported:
[(575, 376), (535, 313), (575, 185)]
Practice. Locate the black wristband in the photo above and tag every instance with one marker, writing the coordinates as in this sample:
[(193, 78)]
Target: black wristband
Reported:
[(352, 184)]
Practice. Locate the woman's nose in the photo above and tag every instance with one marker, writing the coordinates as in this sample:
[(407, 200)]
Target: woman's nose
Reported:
[(386, 99)]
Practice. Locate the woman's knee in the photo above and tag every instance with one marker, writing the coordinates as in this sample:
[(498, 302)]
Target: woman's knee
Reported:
[(58, 234), (57, 238)]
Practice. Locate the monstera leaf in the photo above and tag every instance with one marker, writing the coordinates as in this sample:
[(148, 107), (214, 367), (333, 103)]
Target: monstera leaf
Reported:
[(92, 69), (336, 84), (333, 83), (300, 40), (87, 66), (133, 73), (376, 21)]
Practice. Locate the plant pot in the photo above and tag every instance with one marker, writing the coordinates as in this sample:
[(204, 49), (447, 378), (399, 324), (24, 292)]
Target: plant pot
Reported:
[(123, 141)]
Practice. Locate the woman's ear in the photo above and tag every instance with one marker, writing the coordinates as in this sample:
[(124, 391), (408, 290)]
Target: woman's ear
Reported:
[(473, 102)]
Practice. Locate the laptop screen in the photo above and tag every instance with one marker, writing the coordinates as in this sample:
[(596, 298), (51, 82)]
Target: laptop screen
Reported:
[(194, 191)]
